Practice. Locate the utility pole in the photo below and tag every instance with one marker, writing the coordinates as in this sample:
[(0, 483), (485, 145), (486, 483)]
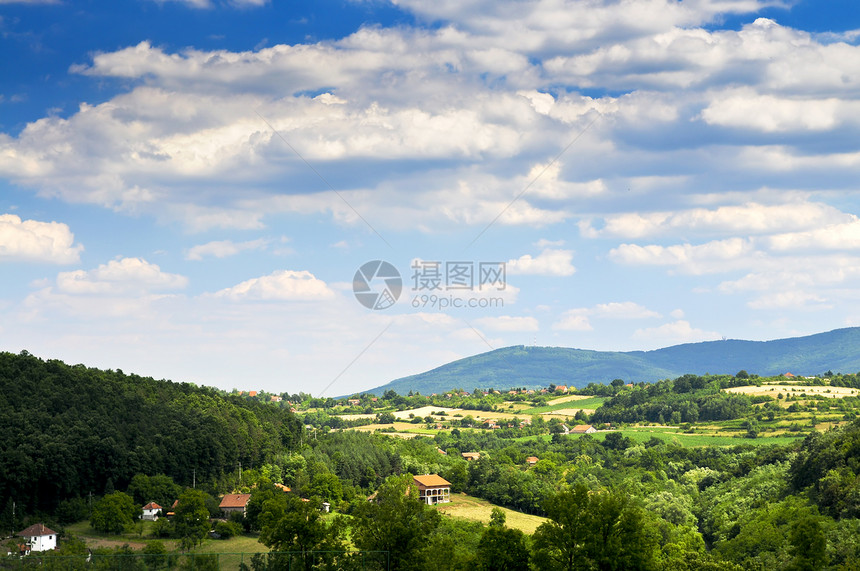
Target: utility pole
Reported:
[(194, 479)]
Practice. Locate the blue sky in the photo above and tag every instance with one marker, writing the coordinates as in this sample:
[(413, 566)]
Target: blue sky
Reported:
[(187, 188)]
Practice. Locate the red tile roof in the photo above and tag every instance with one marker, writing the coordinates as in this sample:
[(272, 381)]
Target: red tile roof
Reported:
[(151, 506), (431, 481), (37, 530), (235, 501)]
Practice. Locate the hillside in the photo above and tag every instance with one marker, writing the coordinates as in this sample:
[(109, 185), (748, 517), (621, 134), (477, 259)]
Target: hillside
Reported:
[(534, 367), (70, 430)]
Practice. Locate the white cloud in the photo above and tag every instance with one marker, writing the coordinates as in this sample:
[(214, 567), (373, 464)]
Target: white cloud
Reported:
[(796, 299), (622, 310), (31, 240), (845, 236), (749, 218), (745, 109), (550, 262), (125, 276), (282, 285), (676, 332), (223, 248), (715, 256), (577, 319), (508, 323), (573, 320)]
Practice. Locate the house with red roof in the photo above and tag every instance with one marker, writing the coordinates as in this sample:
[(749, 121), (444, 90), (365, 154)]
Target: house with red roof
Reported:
[(235, 503), (433, 489), (150, 511), (38, 538)]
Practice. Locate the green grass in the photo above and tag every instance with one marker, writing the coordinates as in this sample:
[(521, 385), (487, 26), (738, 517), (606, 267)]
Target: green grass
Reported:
[(695, 440), (93, 538), (476, 509), (589, 403)]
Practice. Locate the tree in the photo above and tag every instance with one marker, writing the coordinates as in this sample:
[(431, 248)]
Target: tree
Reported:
[(599, 530), (159, 489), (502, 548), (397, 522), (808, 545), (191, 518), (289, 523), (113, 513), (327, 486)]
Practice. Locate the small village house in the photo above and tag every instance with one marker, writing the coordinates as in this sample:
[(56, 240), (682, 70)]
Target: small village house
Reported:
[(470, 455), (583, 429), (38, 538), (150, 511), (235, 503), (433, 489)]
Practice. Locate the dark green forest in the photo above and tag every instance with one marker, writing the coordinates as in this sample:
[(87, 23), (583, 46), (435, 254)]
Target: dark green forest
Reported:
[(69, 431)]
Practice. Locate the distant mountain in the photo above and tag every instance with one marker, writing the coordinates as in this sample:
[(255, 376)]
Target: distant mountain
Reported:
[(532, 367)]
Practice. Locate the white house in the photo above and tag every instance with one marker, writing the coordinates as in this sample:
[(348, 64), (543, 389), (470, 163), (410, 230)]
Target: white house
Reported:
[(433, 489), (150, 511), (39, 537)]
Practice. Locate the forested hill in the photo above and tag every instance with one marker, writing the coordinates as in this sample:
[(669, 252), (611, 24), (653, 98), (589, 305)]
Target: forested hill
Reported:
[(533, 367), (68, 431)]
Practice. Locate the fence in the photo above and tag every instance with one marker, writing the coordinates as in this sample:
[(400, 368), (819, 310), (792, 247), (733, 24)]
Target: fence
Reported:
[(268, 561)]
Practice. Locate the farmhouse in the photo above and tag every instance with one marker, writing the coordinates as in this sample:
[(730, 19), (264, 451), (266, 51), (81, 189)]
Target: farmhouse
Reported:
[(235, 503), (532, 460), (433, 489), (470, 455), (39, 538), (150, 511), (583, 429)]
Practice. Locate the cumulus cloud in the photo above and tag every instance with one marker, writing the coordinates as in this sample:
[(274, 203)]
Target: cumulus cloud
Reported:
[(508, 323), (550, 262), (746, 109), (32, 240), (282, 285), (715, 256), (120, 277), (223, 248), (795, 299), (573, 320), (749, 218), (845, 236), (577, 319), (676, 332)]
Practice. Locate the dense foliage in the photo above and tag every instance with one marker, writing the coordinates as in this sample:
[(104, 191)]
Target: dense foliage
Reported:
[(70, 431)]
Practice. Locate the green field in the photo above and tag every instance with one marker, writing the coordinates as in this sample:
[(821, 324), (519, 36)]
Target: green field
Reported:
[(589, 404), (673, 435), (476, 509), (95, 539)]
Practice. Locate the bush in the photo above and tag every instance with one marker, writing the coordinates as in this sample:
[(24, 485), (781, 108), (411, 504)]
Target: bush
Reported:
[(228, 529)]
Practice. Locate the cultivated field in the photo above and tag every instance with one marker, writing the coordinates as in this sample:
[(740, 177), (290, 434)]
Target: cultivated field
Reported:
[(476, 509), (794, 390)]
